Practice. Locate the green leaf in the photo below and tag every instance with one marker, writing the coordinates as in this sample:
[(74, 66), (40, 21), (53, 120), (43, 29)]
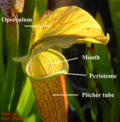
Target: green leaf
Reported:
[(11, 29), (35, 117), (33, 109), (103, 66), (74, 101), (3, 101), (24, 40), (2, 70), (3, 85), (105, 111), (114, 6), (41, 6), (26, 100), (91, 83), (115, 108)]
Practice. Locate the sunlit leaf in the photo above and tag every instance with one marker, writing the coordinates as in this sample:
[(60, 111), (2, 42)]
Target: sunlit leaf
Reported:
[(68, 21), (35, 117), (26, 100), (98, 18)]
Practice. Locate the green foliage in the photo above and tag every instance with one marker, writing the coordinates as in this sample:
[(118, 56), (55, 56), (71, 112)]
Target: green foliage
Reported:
[(115, 108), (91, 83), (74, 101), (114, 6), (41, 7), (103, 66), (1, 53), (24, 40), (16, 93)]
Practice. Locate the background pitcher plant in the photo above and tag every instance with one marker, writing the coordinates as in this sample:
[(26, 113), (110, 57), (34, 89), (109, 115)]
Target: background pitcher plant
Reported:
[(63, 27)]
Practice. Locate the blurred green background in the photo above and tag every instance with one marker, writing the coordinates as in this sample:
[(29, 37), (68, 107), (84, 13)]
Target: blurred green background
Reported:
[(16, 94)]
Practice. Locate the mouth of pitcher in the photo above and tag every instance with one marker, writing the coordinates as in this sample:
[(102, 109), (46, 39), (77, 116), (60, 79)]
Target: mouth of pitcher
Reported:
[(61, 65)]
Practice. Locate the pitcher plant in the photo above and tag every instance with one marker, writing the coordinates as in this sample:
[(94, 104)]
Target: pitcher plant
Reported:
[(46, 67)]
